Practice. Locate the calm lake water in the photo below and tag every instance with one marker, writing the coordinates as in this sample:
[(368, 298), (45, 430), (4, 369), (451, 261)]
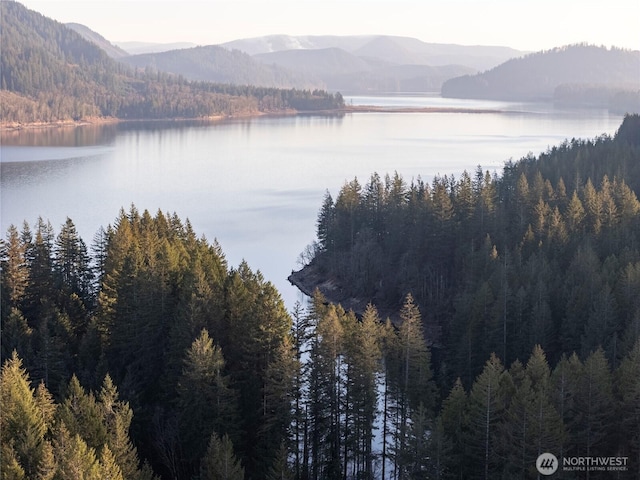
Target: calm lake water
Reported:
[(257, 184)]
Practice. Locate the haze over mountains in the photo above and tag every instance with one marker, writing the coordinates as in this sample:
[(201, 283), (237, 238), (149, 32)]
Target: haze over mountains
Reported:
[(576, 75), (357, 64), (584, 75)]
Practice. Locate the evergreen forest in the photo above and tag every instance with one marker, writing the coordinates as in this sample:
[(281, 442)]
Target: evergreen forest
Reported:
[(513, 329), (50, 74)]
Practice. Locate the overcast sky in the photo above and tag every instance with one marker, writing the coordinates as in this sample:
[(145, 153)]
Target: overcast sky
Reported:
[(522, 24)]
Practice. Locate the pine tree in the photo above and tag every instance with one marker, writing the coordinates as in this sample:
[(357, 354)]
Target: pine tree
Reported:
[(15, 272), (575, 213), (591, 429), (546, 427), (206, 403), (280, 470), (413, 458), (109, 468), (72, 262), (628, 396), (363, 356), (411, 373), (453, 417), (564, 385), (80, 412), (117, 416), (22, 420), (219, 462), (76, 461), (485, 411)]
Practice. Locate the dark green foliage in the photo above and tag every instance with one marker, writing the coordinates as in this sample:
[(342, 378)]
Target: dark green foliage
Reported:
[(161, 292), (206, 403), (222, 380), (543, 254)]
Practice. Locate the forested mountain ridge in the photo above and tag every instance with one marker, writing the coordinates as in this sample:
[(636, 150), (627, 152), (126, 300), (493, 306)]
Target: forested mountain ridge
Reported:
[(216, 64), (94, 37), (375, 63), (50, 73), (550, 74), (347, 72)]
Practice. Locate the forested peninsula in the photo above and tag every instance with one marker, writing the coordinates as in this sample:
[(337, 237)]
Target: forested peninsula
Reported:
[(50, 74)]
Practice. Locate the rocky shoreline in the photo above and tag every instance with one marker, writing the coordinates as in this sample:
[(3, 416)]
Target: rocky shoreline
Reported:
[(310, 278)]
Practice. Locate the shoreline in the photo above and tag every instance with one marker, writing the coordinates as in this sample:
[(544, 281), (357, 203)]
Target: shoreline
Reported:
[(310, 278), (15, 126)]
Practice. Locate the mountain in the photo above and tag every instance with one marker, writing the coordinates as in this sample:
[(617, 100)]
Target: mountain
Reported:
[(50, 73), (347, 72), (552, 74), (85, 32), (394, 49), (279, 43), (373, 63), (325, 61), (216, 64), (138, 48)]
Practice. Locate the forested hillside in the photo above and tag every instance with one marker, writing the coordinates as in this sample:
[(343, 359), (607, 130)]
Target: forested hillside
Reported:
[(574, 75), (216, 64), (543, 254), (50, 73), (146, 354)]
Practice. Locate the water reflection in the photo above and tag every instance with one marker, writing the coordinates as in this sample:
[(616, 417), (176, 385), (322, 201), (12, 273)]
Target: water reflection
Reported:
[(75, 136)]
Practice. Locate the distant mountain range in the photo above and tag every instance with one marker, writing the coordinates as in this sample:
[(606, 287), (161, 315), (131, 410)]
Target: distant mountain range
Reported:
[(392, 49), (138, 48), (353, 64), (576, 75), (373, 63), (216, 64), (581, 75)]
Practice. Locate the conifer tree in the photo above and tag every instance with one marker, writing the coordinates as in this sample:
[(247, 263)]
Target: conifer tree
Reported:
[(109, 468), (564, 384), (76, 460), (15, 272), (22, 421), (628, 396), (219, 462), (117, 416), (80, 412), (454, 421), (591, 429), (363, 357), (485, 412), (205, 401)]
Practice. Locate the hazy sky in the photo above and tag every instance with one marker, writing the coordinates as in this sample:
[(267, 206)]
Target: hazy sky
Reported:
[(523, 24)]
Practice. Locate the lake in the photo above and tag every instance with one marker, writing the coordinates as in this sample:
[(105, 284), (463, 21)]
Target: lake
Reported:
[(256, 184)]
